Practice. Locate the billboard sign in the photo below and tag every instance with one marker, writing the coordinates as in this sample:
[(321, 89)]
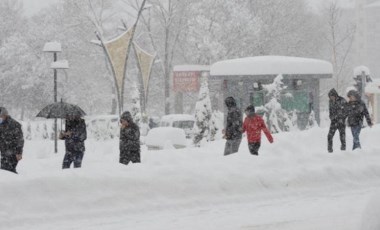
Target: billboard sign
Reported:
[(186, 81)]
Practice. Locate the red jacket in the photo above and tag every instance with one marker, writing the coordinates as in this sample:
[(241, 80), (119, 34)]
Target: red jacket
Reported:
[(254, 125)]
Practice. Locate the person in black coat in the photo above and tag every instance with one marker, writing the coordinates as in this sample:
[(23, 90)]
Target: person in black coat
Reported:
[(129, 140), (11, 141), (75, 134), (357, 110), (338, 115), (233, 129)]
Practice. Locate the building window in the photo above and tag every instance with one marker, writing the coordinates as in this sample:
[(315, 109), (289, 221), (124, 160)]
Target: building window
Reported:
[(296, 100), (257, 98)]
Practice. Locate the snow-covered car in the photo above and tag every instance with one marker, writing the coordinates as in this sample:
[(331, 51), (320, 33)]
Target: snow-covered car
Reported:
[(165, 138), (102, 127), (181, 121)]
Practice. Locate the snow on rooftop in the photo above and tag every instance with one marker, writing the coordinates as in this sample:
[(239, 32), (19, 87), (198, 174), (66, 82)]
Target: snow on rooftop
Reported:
[(61, 64), (180, 68), (52, 47), (360, 69), (270, 65)]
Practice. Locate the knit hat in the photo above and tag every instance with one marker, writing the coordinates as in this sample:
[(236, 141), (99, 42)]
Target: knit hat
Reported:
[(353, 93)]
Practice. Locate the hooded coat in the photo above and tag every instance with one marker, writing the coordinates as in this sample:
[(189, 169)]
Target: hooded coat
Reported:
[(11, 137), (337, 108), (357, 110), (129, 141), (233, 130)]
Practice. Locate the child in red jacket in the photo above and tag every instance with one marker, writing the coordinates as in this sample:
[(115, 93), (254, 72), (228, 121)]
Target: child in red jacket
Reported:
[(253, 125)]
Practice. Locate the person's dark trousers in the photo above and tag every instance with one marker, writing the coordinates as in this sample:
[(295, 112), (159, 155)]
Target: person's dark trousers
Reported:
[(232, 146), (254, 148), (72, 157), (342, 134), (355, 134), (9, 163)]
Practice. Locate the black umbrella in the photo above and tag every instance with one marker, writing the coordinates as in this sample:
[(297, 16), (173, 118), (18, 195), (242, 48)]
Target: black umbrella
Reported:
[(61, 110)]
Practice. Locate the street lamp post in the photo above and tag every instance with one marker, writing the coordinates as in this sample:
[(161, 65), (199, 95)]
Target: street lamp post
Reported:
[(54, 48)]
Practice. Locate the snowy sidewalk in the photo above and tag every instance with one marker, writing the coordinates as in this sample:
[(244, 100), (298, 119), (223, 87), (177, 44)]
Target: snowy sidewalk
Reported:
[(293, 184)]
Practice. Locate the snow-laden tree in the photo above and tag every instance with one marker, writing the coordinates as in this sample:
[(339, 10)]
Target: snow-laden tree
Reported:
[(205, 38), (277, 117), (339, 31), (87, 82), (136, 104), (205, 126), (11, 17), (312, 121), (294, 118)]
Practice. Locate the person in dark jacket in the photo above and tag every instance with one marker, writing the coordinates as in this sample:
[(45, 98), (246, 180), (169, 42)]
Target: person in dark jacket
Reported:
[(253, 125), (356, 109), (338, 115), (233, 129), (11, 141), (129, 140), (75, 134)]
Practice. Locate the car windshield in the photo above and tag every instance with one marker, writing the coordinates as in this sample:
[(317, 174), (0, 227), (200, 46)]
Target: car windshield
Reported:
[(183, 124)]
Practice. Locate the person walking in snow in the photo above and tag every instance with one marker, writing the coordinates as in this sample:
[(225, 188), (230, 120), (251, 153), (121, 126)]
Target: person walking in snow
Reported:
[(253, 124), (356, 111), (338, 115), (129, 140), (75, 134), (11, 141), (232, 132)]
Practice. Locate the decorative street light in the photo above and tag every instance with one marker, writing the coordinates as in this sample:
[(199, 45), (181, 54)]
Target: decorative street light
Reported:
[(55, 48)]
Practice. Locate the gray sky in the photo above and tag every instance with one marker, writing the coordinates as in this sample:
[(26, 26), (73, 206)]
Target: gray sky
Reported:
[(31, 7)]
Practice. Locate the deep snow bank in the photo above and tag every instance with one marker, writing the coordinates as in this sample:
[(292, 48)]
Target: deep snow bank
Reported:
[(296, 162)]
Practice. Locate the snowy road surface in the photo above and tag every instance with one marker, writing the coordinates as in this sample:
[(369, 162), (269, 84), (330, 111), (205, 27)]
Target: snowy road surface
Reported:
[(293, 184)]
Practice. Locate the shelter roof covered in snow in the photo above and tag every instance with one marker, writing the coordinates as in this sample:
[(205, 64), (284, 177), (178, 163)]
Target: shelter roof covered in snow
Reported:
[(271, 65)]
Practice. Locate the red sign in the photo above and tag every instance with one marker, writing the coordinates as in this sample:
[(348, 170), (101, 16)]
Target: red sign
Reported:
[(186, 81)]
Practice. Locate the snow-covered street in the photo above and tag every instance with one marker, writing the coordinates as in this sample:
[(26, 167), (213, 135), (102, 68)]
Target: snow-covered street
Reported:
[(293, 184), (189, 115)]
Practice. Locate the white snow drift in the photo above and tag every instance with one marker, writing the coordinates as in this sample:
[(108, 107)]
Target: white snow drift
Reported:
[(293, 184)]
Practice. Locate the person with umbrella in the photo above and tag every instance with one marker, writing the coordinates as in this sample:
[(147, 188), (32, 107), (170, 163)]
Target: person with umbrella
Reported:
[(11, 141), (75, 131), (74, 135), (129, 140)]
